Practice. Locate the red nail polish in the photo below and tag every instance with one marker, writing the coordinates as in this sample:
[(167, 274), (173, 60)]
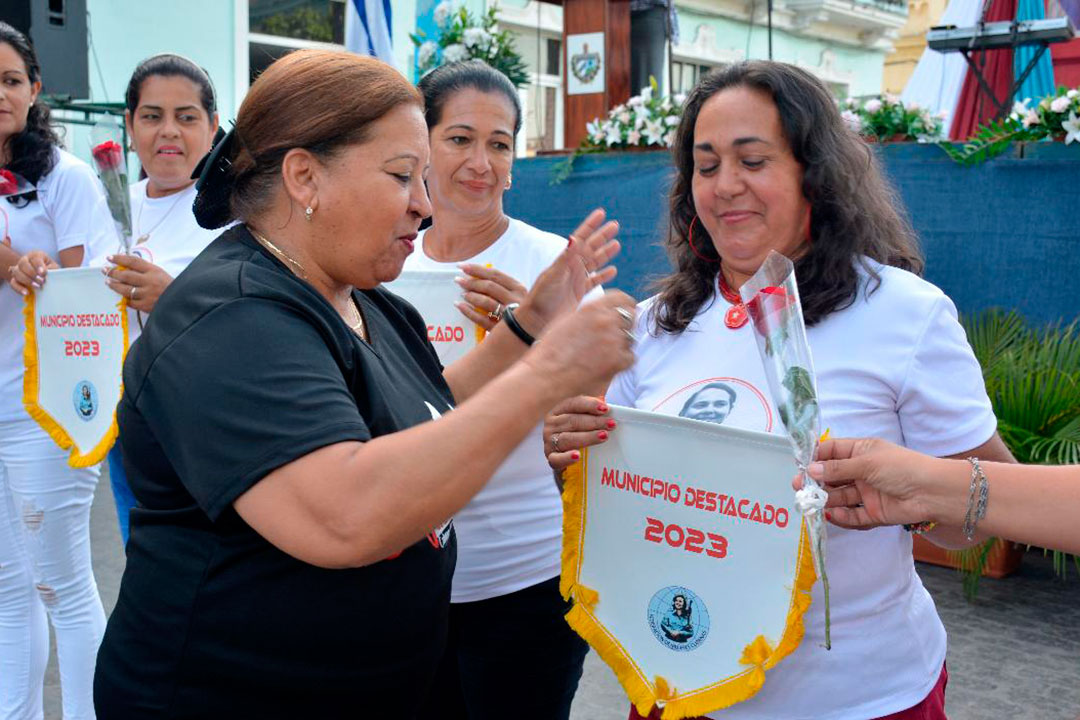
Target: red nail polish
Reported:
[(828, 516), (611, 424), (602, 434), (601, 408), (575, 455)]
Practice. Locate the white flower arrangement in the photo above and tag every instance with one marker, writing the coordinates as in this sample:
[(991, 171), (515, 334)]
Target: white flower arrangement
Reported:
[(886, 117), (644, 120), (464, 36)]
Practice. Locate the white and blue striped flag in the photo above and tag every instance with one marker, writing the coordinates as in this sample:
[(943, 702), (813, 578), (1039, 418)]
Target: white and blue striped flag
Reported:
[(367, 29)]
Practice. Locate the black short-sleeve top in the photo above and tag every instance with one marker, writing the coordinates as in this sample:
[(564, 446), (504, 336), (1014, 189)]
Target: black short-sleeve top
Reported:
[(242, 368)]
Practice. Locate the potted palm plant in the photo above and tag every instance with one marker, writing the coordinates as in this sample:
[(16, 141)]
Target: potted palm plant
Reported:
[(1033, 380)]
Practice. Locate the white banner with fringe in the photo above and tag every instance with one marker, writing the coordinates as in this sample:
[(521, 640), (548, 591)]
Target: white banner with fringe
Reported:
[(76, 340), (688, 564)]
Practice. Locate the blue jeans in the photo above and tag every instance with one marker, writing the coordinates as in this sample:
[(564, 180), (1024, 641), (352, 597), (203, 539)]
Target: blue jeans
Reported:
[(509, 656), (122, 494)]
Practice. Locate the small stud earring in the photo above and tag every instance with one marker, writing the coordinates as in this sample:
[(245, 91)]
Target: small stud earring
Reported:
[(509, 180), (308, 213)]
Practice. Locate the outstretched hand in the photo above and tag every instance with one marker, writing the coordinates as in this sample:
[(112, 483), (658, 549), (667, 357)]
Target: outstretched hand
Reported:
[(871, 482)]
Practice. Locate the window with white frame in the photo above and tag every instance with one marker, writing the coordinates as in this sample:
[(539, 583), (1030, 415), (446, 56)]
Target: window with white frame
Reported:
[(277, 27), (686, 73)]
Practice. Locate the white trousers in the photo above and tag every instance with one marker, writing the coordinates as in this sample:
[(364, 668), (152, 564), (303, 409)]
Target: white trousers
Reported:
[(45, 571)]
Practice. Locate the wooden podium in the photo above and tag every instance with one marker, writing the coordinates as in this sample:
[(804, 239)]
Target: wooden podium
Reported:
[(596, 47)]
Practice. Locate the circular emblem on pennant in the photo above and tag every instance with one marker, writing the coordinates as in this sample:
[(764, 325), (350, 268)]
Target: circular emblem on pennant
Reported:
[(85, 398), (678, 618)]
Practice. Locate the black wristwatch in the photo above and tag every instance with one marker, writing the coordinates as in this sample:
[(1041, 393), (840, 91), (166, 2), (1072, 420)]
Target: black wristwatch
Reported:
[(515, 326)]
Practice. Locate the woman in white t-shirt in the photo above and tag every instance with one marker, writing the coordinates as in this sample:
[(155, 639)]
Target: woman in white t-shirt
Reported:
[(764, 162), (171, 117), (44, 503), (509, 648)]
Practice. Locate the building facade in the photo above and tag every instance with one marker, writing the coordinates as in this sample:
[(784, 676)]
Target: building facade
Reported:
[(844, 42)]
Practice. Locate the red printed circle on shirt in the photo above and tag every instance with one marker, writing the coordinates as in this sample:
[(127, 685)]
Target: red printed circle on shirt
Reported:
[(720, 400)]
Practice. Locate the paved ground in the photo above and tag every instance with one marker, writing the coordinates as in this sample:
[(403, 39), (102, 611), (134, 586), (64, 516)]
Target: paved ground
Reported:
[(1013, 655)]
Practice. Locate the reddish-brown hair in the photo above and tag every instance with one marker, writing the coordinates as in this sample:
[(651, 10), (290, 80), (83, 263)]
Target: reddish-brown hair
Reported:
[(319, 100)]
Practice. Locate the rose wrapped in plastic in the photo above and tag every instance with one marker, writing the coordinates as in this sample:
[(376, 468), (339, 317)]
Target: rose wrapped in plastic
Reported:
[(772, 301), (109, 157)]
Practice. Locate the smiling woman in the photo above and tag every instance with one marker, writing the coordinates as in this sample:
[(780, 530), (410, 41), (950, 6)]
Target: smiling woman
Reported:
[(291, 551)]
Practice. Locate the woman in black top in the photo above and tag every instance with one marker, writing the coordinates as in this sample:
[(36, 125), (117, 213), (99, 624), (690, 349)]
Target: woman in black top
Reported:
[(275, 418)]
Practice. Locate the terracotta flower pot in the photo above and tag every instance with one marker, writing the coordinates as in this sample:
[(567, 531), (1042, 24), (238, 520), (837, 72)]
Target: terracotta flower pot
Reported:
[(1004, 558)]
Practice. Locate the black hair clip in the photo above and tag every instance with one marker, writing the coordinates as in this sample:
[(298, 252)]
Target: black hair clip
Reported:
[(213, 183)]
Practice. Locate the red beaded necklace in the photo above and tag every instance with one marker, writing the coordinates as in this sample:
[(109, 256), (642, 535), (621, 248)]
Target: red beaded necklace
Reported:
[(736, 315)]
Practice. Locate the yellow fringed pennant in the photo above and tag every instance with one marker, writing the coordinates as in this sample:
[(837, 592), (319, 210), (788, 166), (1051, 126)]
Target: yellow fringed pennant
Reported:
[(76, 339), (607, 563)]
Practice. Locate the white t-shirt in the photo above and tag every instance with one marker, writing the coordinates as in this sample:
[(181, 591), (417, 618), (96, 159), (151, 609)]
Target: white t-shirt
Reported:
[(510, 533), (895, 365), (70, 210), (175, 237)]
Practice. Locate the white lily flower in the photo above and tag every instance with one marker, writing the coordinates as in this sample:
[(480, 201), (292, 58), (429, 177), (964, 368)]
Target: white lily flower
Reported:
[(1060, 104), (646, 93), (612, 134), (455, 53), (1072, 94), (636, 101), (633, 137), (1020, 109), (669, 139), (654, 132), (678, 98), (475, 37), (442, 12), (426, 54), (1032, 118), (595, 130), (623, 117), (1071, 128), (671, 120), (853, 121), (872, 106)]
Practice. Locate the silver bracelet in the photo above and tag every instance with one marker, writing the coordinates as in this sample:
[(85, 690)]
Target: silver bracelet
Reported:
[(978, 495)]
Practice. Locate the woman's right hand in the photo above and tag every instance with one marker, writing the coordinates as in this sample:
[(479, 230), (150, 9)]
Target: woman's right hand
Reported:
[(575, 423), (29, 272), (586, 348)]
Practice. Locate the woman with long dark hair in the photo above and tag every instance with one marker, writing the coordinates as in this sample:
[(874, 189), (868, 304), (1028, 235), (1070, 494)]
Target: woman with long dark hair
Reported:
[(764, 162), (44, 504)]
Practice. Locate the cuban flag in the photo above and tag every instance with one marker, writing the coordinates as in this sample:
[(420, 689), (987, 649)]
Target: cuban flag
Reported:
[(367, 29)]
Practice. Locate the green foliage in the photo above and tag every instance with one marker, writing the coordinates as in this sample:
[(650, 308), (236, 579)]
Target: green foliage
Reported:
[(1052, 117), (887, 118), (1033, 379)]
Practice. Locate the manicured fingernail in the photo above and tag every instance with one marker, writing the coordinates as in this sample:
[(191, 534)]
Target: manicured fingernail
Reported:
[(611, 424), (575, 455), (459, 280), (461, 305), (36, 284), (828, 516), (602, 434), (110, 258), (816, 469), (601, 407)]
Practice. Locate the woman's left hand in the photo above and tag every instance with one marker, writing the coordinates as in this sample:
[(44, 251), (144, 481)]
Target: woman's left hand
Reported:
[(580, 268), (141, 282), (486, 292)]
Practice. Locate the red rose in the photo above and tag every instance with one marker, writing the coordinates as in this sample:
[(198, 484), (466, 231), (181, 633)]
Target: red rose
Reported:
[(768, 306), (108, 155), (8, 183)]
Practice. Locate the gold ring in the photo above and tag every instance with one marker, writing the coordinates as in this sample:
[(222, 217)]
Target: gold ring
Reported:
[(496, 315), (555, 442), (133, 289)]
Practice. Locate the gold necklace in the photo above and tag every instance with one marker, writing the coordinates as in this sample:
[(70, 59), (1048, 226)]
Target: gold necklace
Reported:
[(356, 325)]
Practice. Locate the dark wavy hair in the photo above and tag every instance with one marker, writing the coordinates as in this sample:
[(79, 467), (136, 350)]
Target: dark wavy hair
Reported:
[(856, 213), (444, 81), (30, 151)]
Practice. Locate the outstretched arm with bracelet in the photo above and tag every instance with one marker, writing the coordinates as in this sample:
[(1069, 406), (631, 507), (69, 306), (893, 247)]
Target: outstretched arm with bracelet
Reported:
[(872, 482)]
